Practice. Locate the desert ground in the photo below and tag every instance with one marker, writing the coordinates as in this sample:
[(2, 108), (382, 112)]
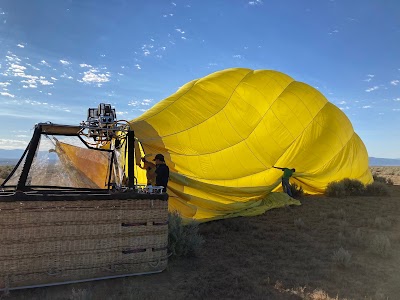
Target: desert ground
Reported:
[(327, 248)]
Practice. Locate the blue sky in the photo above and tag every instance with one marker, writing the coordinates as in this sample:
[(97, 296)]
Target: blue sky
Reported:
[(58, 58)]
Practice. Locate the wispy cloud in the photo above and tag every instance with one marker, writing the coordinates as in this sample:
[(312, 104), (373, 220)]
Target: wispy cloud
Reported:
[(43, 62), (146, 101), (21, 46), (4, 84), (12, 144), (372, 89), (367, 106), (65, 62), (94, 76), (256, 2), (369, 77), (395, 82), (85, 66), (7, 94)]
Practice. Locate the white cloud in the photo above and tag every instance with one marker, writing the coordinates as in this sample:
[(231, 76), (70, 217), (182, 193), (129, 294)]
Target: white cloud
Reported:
[(370, 76), (21, 46), (256, 2), (395, 82), (397, 99), (372, 89), (146, 101), (366, 106), (344, 108), (65, 62), (12, 144), (342, 102), (7, 94), (237, 56), (45, 82), (180, 30), (93, 76), (133, 103), (85, 66), (396, 109), (4, 84), (64, 75), (43, 62), (138, 66)]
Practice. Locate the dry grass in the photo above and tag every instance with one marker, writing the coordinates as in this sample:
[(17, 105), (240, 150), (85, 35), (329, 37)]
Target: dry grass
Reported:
[(283, 254)]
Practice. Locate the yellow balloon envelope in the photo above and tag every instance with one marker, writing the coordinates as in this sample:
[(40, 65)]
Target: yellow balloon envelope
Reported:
[(222, 134)]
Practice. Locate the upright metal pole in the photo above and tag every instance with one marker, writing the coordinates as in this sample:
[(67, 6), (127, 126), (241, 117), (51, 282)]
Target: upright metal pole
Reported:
[(131, 159), (21, 185)]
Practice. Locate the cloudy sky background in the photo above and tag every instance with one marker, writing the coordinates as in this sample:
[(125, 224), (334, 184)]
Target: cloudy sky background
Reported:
[(58, 58)]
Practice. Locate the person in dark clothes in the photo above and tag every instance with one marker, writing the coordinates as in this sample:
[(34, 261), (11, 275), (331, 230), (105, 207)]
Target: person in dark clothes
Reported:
[(287, 173), (162, 172)]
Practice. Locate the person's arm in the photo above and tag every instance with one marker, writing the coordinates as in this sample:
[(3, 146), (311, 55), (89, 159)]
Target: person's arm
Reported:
[(278, 168)]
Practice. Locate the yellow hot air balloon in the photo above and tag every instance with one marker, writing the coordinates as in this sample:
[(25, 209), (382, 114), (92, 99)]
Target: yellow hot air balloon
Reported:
[(221, 135)]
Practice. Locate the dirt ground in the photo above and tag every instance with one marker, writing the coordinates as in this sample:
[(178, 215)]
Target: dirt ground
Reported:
[(286, 253)]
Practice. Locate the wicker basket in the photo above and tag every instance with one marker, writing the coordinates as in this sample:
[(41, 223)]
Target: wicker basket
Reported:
[(48, 242)]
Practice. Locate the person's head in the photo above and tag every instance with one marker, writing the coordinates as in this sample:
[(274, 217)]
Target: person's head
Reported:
[(159, 159), (294, 170)]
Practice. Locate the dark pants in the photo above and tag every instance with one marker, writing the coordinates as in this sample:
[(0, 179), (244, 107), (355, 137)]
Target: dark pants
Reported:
[(286, 186)]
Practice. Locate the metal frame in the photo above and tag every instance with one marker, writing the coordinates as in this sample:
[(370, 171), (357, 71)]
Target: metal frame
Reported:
[(66, 130)]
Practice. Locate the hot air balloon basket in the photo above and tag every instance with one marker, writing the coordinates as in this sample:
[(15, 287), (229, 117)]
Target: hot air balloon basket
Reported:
[(54, 242)]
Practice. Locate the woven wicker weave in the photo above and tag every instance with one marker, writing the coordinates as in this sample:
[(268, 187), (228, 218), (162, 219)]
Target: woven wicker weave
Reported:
[(45, 242)]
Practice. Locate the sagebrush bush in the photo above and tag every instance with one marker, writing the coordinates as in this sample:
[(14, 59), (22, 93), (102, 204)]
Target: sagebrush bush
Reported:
[(345, 187), (353, 187), (297, 191), (5, 170), (341, 258), (376, 188), (380, 245), (335, 189), (183, 240)]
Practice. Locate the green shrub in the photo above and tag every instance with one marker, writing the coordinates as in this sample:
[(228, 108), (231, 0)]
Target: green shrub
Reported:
[(380, 245), (5, 170), (345, 187), (377, 188), (335, 189), (183, 240), (297, 191), (353, 187), (341, 258)]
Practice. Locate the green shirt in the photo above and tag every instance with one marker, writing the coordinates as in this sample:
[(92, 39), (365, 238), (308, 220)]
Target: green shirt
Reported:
[(287, 173)]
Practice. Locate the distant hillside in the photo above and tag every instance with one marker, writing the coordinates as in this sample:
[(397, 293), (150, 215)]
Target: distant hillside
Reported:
[(378, 162), (13, 154)]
